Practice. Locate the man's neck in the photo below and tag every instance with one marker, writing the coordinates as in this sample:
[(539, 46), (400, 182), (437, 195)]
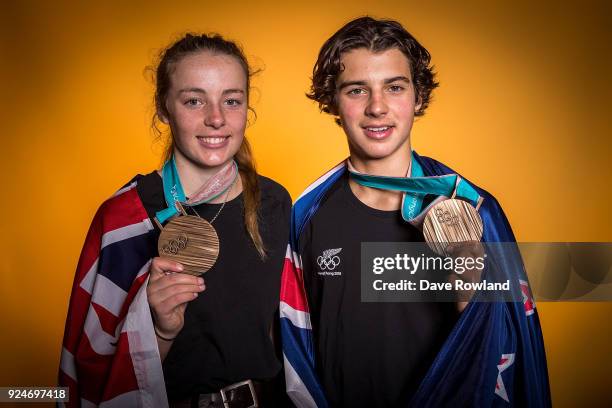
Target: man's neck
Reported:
[(390, 167)]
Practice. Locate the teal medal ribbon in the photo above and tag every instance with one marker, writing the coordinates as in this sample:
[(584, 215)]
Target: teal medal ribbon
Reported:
[(174, 193), (417, 186)]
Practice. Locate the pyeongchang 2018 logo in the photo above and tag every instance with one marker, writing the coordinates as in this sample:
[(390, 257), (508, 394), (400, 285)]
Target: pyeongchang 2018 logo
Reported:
[(328, 261)]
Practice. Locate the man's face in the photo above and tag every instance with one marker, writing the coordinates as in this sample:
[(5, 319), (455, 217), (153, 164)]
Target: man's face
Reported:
[(376, 103)]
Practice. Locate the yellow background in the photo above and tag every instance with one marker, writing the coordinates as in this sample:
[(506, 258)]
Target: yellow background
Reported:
[(523, 110)]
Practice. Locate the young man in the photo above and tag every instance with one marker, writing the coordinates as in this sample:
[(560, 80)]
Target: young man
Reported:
[(374, 77)]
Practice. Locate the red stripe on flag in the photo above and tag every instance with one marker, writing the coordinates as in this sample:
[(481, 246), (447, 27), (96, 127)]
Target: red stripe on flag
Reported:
[(122, 377), (131, 294), (91, 248), (123, 210), (292, 289), (73, 390), (92, 370), (108, 321), (77, 312)]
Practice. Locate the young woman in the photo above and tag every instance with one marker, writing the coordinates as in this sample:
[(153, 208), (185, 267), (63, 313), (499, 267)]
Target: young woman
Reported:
[(213, 332)]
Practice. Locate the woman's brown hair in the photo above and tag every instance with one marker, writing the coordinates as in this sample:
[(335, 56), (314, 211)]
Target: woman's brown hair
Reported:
[(193, 43), (376, 36)]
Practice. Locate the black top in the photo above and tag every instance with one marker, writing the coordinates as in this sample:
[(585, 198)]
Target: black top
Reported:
[(226, 337), (368, 354)]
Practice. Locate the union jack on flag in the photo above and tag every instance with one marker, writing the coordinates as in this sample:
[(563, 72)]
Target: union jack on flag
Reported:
[(109, 356)]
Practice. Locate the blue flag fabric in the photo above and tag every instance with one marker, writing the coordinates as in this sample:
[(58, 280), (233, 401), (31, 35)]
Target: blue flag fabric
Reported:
[(494, 356)]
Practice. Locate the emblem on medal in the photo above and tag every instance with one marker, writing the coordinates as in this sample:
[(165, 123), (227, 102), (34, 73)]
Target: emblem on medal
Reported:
[(190, 240), (451, 221)]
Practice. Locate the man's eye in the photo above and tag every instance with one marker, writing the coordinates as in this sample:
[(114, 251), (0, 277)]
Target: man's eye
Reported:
[(356, 91), (396, 88)]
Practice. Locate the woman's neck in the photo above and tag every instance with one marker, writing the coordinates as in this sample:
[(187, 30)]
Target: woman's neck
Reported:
[(193, 177)]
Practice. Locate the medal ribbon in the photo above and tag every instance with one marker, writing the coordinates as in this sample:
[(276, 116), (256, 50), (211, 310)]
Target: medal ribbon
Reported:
[(417, 186), (173, 189)]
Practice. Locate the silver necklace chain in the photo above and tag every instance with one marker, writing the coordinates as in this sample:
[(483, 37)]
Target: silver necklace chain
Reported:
[(222, 205)]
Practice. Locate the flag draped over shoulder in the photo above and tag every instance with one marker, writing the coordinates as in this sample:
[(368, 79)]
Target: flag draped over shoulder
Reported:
[(494, 356), (110, 355)]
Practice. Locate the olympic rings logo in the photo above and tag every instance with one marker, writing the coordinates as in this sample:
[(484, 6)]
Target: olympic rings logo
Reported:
[(445, 217), (328, 263), (175, 245), (329, 259)]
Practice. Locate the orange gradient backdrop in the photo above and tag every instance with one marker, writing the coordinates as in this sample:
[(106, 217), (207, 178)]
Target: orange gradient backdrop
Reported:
[(522, 110)]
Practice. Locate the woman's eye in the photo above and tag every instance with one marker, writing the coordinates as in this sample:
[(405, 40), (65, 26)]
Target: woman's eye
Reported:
[(233, 102), (193, 102)]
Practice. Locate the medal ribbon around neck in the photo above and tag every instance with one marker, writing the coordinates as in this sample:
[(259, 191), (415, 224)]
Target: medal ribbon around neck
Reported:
[(417, 186), (218, 184), (446, 219), (188, 239)]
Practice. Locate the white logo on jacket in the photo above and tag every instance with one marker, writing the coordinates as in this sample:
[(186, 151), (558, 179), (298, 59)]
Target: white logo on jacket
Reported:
[(329, 260)]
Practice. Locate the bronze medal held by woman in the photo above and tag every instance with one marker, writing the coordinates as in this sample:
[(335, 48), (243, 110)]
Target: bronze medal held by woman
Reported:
[(203, 97), (156, 339)]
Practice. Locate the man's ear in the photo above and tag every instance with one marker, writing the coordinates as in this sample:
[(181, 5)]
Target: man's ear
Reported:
[(418, 104)]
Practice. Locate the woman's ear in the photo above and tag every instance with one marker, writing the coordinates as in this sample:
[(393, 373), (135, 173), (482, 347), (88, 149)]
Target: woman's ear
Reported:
[(163, 118)]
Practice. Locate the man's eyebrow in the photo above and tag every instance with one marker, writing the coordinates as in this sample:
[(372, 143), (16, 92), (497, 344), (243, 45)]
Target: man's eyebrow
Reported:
[(350, 83), (363, 83), (397, 78)]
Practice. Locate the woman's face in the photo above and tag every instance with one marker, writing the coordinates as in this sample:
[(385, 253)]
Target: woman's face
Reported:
[(207, 108)]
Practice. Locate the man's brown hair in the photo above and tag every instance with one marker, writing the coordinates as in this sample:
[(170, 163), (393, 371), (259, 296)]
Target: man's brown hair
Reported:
[(376, 36)]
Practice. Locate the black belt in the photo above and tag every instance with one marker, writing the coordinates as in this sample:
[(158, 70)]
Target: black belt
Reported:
[(244, 394)]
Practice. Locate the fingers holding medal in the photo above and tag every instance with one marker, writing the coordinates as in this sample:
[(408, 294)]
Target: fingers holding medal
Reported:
[(168, 293)]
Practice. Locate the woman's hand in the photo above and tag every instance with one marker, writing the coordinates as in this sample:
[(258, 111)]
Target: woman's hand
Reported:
[(168, 293)]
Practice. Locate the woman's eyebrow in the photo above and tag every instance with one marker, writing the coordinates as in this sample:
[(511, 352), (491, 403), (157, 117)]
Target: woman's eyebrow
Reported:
[(198, 90), (233, 90)]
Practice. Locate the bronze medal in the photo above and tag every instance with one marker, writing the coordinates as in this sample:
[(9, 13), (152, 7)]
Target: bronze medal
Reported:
[(451, 221), (190, 240)]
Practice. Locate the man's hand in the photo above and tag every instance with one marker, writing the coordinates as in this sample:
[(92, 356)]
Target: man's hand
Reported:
[(469, 249)]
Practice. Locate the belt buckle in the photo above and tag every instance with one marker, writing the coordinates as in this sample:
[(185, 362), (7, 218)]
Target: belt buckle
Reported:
[(230, 387)]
